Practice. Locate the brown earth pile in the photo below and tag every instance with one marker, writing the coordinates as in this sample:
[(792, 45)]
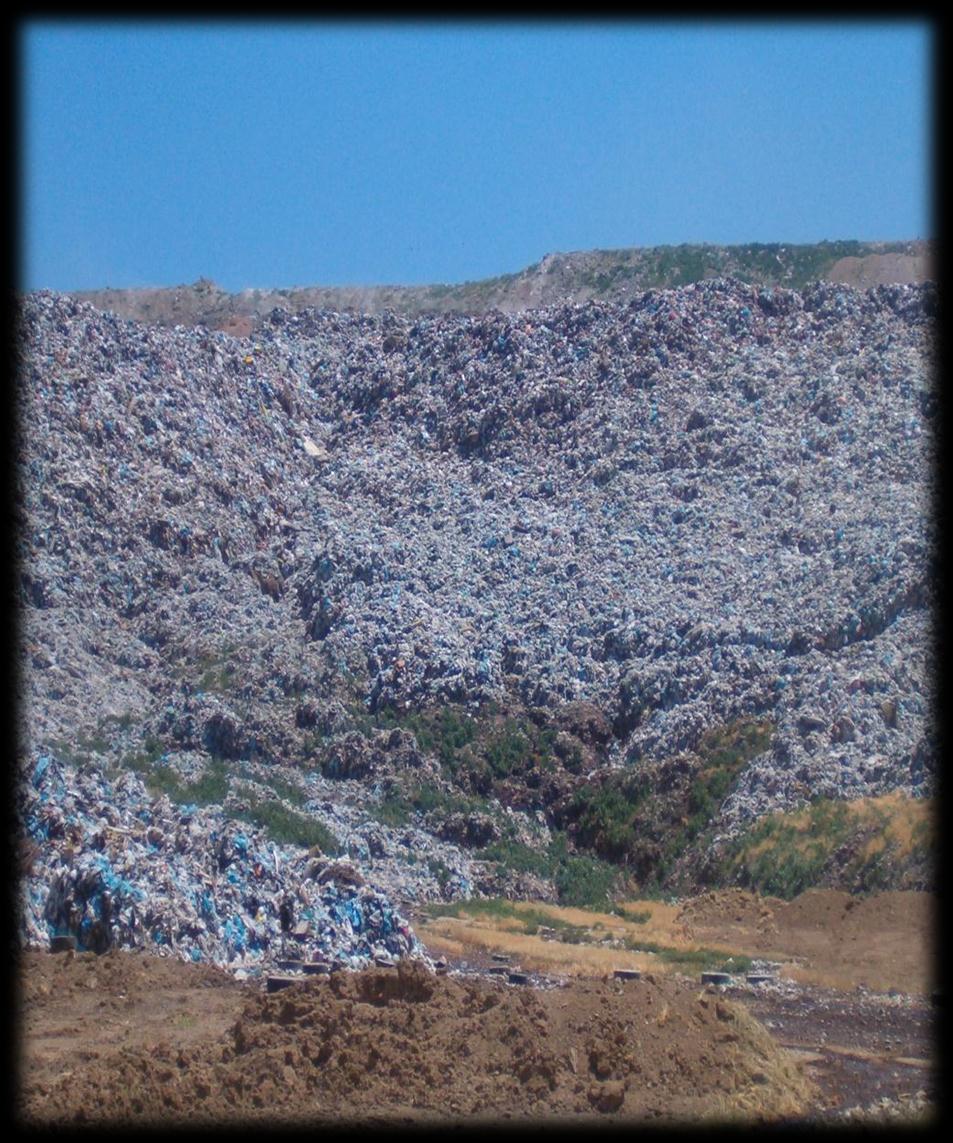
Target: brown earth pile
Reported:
[(826, 936), (129, 1039)]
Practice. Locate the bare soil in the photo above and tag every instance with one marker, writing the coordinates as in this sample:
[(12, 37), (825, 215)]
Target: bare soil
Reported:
[(131, 1039), (883, 269)]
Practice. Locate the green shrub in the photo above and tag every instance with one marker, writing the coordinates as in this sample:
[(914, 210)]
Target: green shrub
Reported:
[(578, 879), (395, 812), (585, 882), (398, 805), (164, 780), (211, 788), (507, 750), (633, 916), (290, 828), (519, 857), (777, 858), (440, 870), (864, 847)]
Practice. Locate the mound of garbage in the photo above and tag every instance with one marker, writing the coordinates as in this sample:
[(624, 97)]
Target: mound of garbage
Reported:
[(707, 504), (110, 867)]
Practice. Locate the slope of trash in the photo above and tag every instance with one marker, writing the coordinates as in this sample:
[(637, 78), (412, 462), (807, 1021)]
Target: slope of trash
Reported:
[(707, 504), (111, 868)]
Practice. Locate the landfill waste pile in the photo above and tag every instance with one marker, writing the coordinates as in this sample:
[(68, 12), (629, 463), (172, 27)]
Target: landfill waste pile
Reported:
[(111, 868), (422, 582)]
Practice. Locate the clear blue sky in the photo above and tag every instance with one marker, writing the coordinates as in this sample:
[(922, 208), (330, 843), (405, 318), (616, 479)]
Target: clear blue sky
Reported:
[(328, 153)]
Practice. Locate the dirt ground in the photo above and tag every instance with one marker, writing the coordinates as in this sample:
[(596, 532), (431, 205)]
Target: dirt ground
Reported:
[(131, 1039)]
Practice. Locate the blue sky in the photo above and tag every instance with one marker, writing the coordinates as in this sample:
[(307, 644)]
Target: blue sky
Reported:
[(331, 153)]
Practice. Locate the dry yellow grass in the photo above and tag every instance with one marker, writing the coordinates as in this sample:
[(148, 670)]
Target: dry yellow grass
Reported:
[(772, 1084), (593, 957), (900, 822), (532, 952), (824, 937)]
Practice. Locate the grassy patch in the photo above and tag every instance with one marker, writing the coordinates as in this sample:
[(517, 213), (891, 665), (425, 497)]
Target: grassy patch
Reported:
[(290, 828), (529, 920), (476, 907), (399, 804), (865, 846), (697, 960), (67, 752), (287, 790), (579, 879), (532, 920), (144, 761), (519, 857), (211, 788), (98, 742), (625, 820), (633, 916)]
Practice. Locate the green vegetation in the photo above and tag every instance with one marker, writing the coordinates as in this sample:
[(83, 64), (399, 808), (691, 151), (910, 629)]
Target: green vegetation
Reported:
[(440, 870), (624, 819), (210, 789), (282, 824), (160, 778), (864, 846), (520, 858), (217, 678), (476, 750), (289, 828), (398, 805), (533, 921), (723, 751), (287, 790), (146, 760), (633, 916), (98, 743), (517, 745), (585, 881), (580, 880), (498, 908), (703, 959), (69, 754), (663, 267), (212, 671), (606, 813)]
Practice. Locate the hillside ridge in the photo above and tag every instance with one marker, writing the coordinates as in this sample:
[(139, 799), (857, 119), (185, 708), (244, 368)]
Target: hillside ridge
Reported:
[(601, 275)]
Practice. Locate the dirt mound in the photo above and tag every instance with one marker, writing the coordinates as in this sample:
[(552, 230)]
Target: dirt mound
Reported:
[(735, 916), (826, 936), (881, 269), (116, 974), (727, 905), (402, 1045), (912, 914)]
